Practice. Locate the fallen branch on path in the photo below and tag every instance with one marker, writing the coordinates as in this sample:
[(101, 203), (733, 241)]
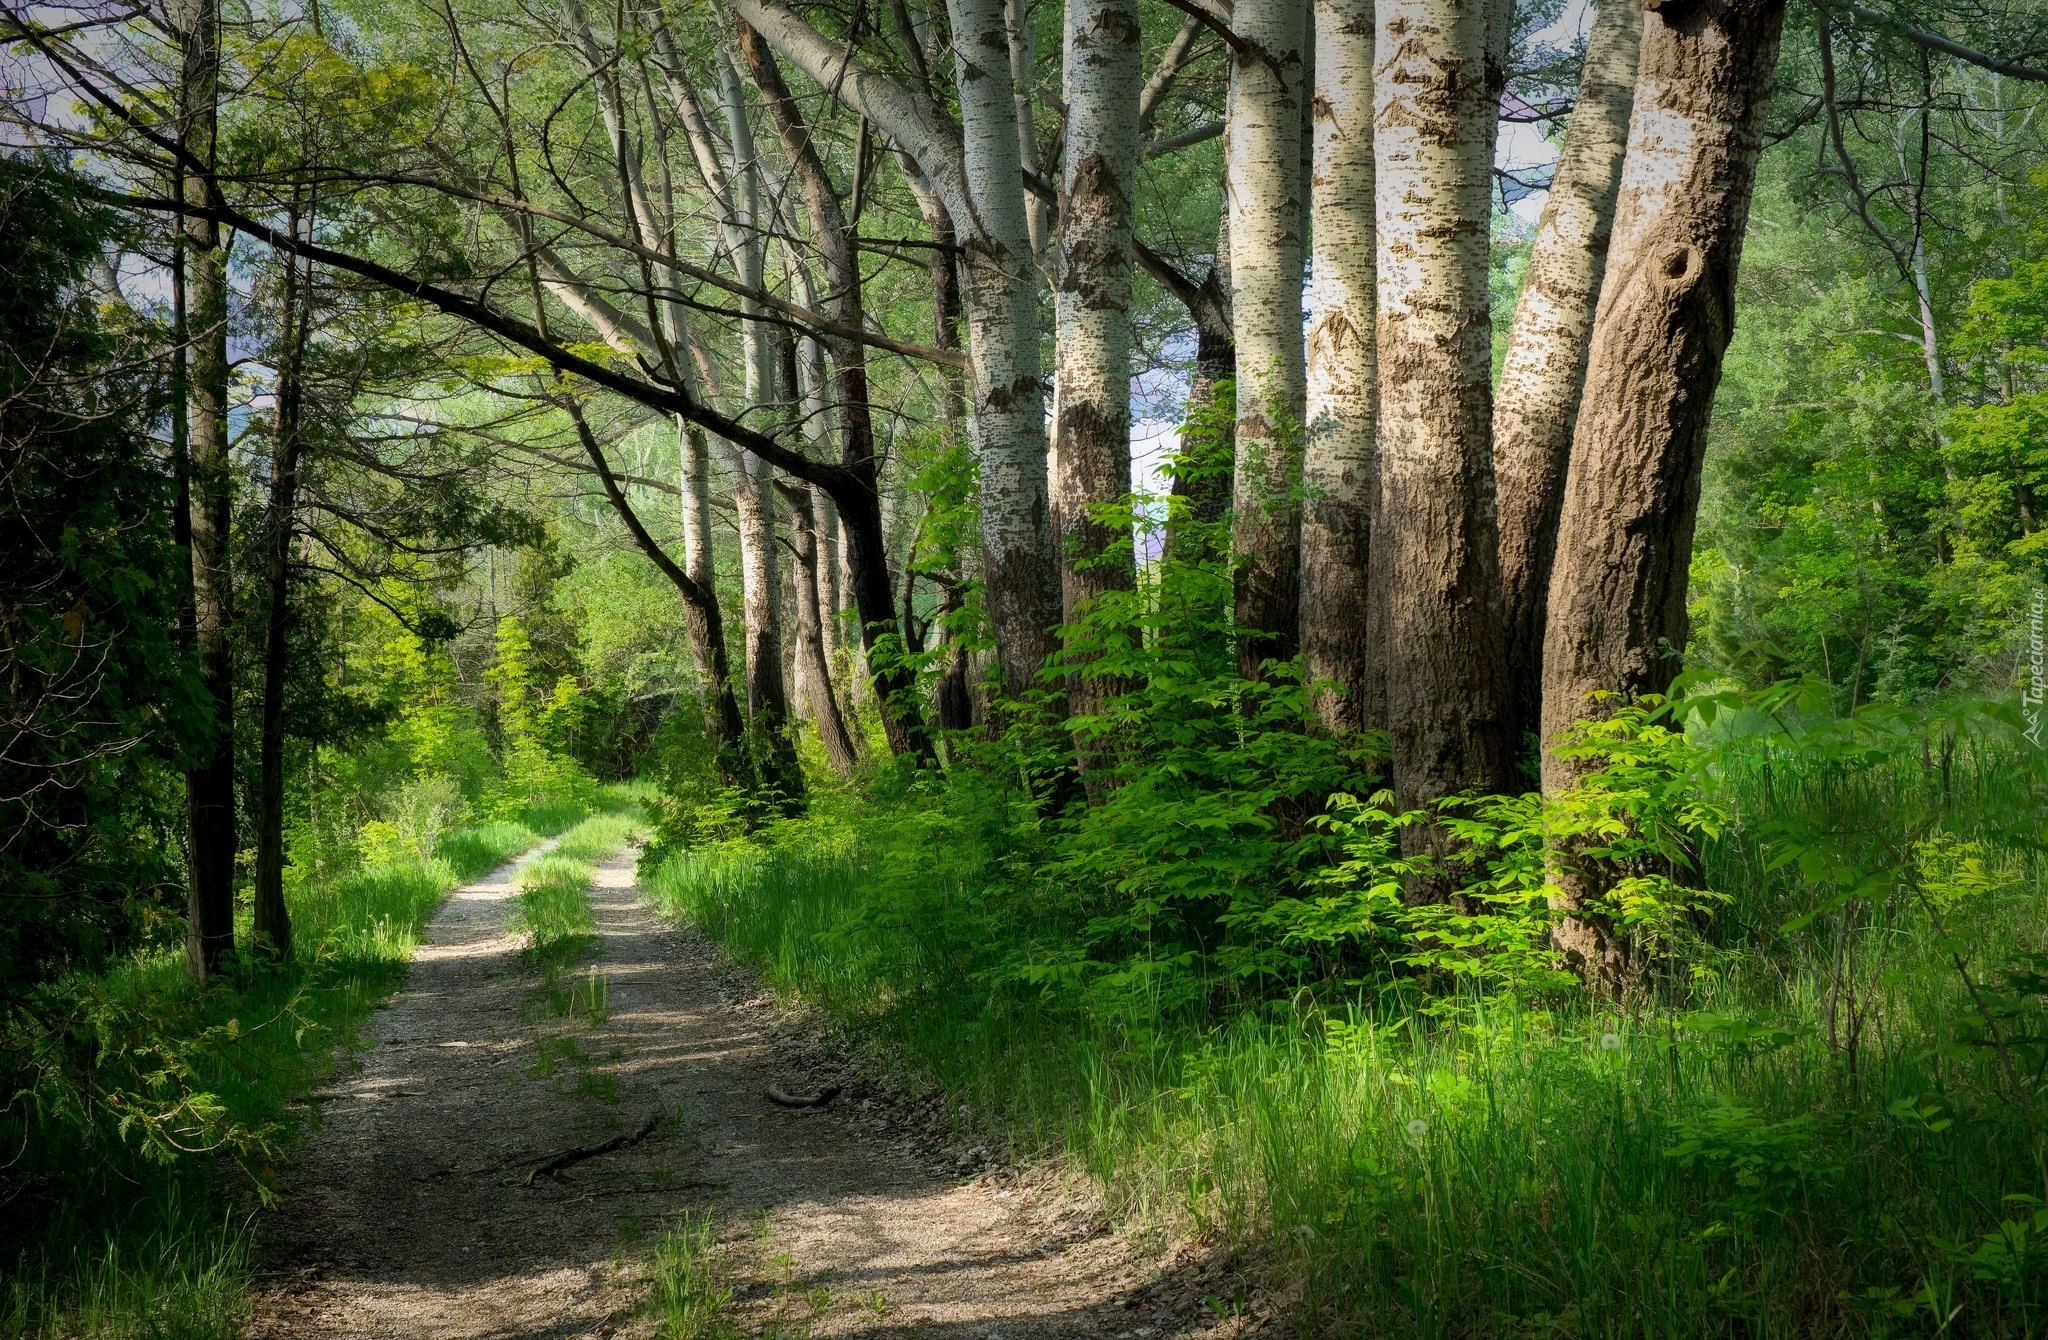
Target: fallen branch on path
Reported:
[(818, 1099), (571, 1156)]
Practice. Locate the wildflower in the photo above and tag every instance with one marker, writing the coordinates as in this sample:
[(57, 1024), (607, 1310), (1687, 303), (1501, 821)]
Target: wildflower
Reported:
[(1610, 1042), (1418, 1128)]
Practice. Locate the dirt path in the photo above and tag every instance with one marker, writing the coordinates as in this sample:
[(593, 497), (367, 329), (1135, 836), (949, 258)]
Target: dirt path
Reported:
[(411, 1214)]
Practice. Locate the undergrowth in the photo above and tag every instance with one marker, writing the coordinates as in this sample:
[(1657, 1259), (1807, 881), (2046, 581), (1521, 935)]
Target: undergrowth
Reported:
[(153, 1115), (1813, 1115)]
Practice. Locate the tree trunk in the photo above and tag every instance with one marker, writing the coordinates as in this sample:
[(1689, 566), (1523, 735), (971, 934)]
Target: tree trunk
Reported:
[(1020, 577), (1343, 390), (753, 493), (1092, 453), (814, 671), (1624, 542), (211, 839), (867, 571), (1434, 546), (272, 930), (1263, 197), (702, 617), (1537, 404)]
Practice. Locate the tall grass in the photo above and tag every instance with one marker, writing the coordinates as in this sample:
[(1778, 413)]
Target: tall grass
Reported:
[(116, 1242), (1736, 1160), (554, 909)]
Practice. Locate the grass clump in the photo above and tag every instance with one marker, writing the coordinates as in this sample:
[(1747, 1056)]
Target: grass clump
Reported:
[(554, 909), (690, 1298)]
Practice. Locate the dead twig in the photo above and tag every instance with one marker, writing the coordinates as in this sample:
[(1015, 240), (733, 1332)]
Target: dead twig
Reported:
[(573, 1156)]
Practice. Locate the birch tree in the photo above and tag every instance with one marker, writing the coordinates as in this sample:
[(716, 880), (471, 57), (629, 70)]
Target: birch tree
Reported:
[(1343, 393), (1617, 617), (1019, 574), (1262, 192), (1092, 455), (976, 173), (1537, 403), (1435, 542)]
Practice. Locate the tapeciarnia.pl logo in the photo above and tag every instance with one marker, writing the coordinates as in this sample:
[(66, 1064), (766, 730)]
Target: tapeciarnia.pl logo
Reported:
[(2037, 656)]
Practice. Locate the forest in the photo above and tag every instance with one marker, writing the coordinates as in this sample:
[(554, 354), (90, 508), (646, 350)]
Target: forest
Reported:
[(731, 668)]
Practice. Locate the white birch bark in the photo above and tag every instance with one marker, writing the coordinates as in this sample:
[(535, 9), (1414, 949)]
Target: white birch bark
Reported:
[(1537, 403), (1021, 582), (753, 487), (978, 177), (695, 483), (1263, 195), (1343, 392), (1023, 70), (1092, 458), (1435, 543)]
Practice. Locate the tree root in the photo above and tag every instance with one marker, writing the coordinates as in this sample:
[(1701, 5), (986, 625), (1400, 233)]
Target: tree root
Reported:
[(818, 1099)]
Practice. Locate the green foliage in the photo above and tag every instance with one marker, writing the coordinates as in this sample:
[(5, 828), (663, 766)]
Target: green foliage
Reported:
[(99, 700), (139, 1084), (1431, 1129)]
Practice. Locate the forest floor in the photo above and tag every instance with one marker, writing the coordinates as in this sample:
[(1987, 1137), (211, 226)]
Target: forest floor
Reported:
[(422, 1205)]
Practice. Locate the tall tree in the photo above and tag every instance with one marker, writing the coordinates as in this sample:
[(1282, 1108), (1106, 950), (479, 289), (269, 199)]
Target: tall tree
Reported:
[(1343, 392), (1434, 539), (211, 835), (1537, 403), (837, 240), (271, 930), (1020, 578), (976, 173), (1262, 193), (1091, 460), (1617, 591)]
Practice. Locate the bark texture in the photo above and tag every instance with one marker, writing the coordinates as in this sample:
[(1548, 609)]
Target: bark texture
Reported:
[(211, 839), (1537, 404), (1091, 460), (1617, 591), (1263, 197), (1020, 577), (1435, 546), (1343, 376)]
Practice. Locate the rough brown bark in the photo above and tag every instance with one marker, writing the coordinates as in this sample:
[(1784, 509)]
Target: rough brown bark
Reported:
[(1537, 404), (1434, 542), (211, 839), (1617, 591)]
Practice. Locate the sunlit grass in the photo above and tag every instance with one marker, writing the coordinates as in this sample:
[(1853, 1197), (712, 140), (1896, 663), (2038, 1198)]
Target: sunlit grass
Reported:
[(1721, 1164), (554, 906), (689, 1297), (174, 1264)]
